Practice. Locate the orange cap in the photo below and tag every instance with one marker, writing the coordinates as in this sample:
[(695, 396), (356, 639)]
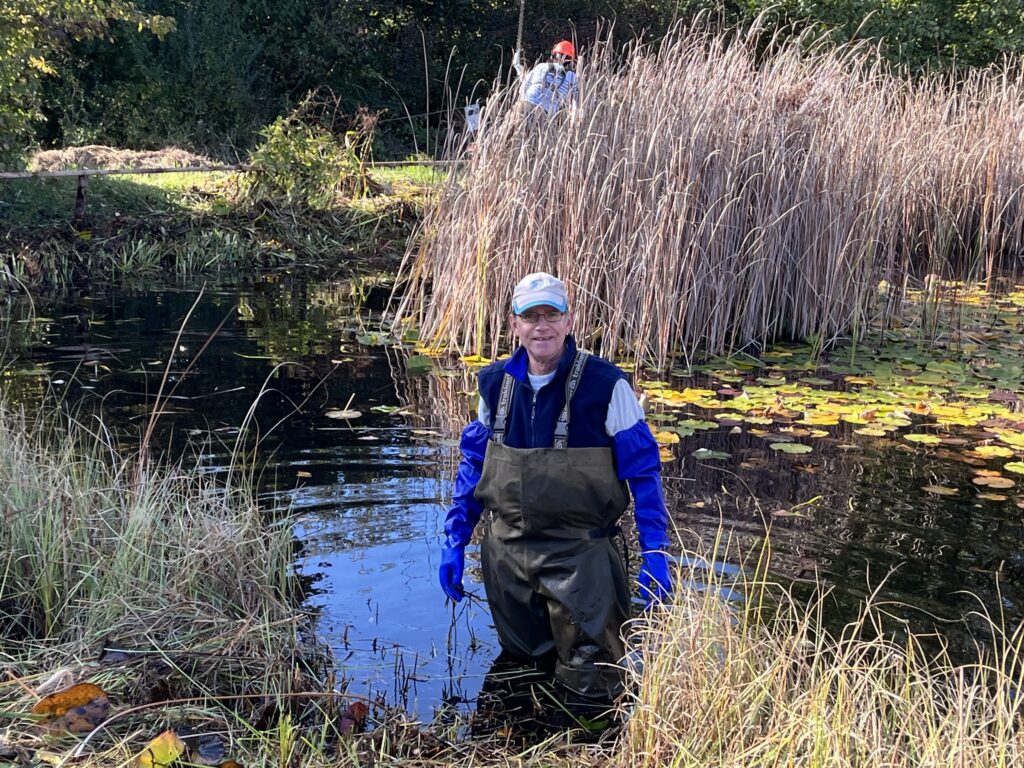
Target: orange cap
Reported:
[(565, 48)]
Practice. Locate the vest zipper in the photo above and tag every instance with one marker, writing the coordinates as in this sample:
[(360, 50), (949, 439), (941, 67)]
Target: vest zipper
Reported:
[(533, 418)]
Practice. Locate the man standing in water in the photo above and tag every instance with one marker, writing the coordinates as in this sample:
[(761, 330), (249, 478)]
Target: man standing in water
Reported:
[(559, 433)]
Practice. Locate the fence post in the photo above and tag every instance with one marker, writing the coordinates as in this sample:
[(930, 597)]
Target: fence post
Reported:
[(79, 215)]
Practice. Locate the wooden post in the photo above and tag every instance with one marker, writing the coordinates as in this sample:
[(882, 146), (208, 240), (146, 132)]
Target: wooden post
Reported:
[(78, 218)]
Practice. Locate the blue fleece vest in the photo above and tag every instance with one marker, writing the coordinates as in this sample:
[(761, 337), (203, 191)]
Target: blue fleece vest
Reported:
[(532, 416)]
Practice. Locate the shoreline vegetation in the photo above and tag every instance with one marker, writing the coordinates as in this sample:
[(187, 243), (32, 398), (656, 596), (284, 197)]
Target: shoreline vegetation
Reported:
[(175, 597), (711, 194), (298, 210)]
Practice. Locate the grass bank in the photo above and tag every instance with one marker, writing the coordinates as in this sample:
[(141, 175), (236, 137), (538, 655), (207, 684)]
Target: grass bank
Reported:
[(704, 195), (189, 223)]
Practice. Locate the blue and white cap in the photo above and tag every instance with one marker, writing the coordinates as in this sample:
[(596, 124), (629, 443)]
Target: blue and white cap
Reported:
[(537, 290)]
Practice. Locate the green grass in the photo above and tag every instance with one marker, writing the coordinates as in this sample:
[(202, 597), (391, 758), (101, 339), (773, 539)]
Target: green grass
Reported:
[(141, 225), (45, 202), (410, 175)]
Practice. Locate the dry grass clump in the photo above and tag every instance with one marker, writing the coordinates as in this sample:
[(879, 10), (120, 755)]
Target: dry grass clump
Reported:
[(699, 198), (748, 685), (100, 157), (95, 552)]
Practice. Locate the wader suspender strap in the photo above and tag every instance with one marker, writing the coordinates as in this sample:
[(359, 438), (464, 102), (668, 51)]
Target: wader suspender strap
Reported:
[(501, 415), (575, 374), (562, 427)]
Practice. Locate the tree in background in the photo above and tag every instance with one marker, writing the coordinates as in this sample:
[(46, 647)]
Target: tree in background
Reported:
[(234, 66), (32, 32)]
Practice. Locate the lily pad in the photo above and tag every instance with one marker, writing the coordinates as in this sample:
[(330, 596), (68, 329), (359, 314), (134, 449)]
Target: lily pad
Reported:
[(925, 439), (993, 451), (705, 454), (1014, 466), (343, 413), (939, 490), (791, 447), (994, 482)]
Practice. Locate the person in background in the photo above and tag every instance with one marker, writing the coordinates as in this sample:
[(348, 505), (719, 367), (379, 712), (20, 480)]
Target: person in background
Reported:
[(550, 85), (558, 436)]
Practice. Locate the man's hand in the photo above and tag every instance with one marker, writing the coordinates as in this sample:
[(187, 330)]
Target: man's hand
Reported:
[(655, 582), (453, 562)]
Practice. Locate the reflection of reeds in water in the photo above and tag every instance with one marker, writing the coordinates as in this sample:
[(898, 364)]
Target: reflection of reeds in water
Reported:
[(440, 404), (697, 198)]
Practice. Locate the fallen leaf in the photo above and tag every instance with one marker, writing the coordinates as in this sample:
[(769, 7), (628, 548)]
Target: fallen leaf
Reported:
[(59, 703), (162, 751)]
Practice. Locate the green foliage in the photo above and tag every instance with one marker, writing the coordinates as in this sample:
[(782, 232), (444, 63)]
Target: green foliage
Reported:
[(233, 67), (916, 34), (300, 162), (32, 32)]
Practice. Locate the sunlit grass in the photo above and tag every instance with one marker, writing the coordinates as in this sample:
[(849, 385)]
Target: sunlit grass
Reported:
[(763, 682)]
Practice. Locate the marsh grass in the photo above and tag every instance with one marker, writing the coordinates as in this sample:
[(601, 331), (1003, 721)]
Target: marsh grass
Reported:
[(703, 196), (191, 588), (765, 683)]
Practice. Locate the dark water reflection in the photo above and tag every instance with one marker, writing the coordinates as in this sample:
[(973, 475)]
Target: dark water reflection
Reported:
[(369, 494)]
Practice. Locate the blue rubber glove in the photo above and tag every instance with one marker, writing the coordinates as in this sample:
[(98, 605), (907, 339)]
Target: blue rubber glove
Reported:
[(453, 563), (655, 582)]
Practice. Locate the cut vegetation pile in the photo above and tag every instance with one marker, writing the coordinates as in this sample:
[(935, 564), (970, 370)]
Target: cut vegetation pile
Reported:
[(97, 156), (698, 198)]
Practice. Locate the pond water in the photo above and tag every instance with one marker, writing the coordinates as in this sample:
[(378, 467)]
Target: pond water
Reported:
[(369, 492)]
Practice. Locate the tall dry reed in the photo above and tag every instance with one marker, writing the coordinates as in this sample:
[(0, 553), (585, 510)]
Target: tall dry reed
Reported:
[(764, 683), (698, 198), (93, 551)]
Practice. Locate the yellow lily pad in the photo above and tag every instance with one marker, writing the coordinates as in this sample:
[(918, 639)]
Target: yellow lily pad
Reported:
[(993, 451), (925, 439), (994, 482), (791, 447)]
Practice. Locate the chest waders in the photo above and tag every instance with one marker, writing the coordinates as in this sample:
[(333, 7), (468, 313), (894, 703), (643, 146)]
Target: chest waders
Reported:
[(554, 579)]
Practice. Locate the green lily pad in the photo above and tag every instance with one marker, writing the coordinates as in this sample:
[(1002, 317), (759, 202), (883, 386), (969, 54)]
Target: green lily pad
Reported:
[(925, 439), (1014, 466), (696, 424), (791, 447), (419, 364)]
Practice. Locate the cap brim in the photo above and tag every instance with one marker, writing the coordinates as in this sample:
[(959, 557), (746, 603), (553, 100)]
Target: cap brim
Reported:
[(520, 308)]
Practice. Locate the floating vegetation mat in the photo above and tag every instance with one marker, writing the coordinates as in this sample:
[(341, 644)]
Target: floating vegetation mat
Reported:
[(957, 393)]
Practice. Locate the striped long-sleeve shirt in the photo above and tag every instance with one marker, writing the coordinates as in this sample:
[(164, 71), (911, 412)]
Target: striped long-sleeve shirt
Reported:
[(549, 86)]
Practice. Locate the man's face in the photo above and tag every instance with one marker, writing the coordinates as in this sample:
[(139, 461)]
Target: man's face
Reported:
[(542, 330)]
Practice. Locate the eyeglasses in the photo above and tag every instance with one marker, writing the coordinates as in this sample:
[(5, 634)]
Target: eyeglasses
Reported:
[(532, 318)]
